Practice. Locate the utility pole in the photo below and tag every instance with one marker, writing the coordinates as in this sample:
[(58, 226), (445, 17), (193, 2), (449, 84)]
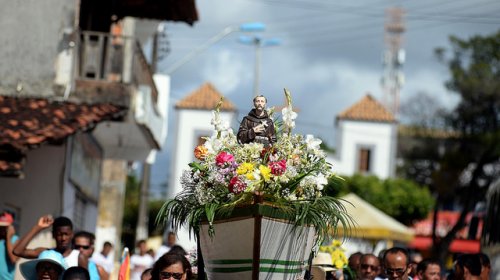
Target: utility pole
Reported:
[(258, 42), (393, 59), (143, 219)]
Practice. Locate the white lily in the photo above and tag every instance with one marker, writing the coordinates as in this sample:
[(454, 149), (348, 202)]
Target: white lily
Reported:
[(312, 143), (289, 117)]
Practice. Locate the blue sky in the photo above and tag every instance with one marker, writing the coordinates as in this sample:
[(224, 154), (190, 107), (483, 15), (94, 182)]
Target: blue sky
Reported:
[(329, 58)]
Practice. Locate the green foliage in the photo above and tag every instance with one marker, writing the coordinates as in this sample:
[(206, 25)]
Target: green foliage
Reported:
[(399, 198), (324, 213), (131, 209)]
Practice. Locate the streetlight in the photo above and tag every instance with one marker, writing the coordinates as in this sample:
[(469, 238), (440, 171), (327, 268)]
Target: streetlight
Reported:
[(245, 27), (258, 42)]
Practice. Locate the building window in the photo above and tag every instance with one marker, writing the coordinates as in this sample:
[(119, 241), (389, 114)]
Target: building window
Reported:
[(79, 211), (364, 160)]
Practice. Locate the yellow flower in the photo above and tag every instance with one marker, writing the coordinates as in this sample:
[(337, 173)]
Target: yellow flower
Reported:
[(336, 243), (339, 264), (245, 168), (265, 172), (250, 176)]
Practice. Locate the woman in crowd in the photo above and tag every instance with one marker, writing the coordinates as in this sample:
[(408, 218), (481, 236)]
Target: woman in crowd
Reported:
[(49, 265), (171, 266)]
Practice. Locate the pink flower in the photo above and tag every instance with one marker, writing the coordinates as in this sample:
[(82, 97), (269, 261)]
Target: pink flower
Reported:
[(223, 158), (236, 185), (278, 167)]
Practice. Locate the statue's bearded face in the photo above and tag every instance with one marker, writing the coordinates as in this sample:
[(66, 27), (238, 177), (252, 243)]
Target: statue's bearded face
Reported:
[(259, 103)]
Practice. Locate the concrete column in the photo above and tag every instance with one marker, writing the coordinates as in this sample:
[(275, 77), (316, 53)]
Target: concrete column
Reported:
[(111, 201)]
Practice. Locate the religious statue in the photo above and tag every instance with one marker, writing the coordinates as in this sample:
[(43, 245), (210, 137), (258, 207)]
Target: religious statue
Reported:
[(257, 126)]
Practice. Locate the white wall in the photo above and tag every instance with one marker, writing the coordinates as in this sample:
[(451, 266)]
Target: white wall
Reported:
[(380, 137), (190, 124), (45, 189), (39, 192)]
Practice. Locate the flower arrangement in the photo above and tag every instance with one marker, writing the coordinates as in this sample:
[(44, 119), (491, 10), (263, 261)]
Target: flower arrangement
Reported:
[(289, 176), (339, 259)]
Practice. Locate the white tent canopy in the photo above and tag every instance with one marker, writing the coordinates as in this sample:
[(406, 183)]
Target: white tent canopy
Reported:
[(371, 223)]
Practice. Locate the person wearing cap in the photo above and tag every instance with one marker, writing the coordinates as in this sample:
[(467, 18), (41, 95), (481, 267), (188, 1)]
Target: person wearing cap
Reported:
[(8, 239), (49, 265)]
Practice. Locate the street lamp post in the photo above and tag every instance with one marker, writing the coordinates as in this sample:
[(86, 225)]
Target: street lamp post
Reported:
[(258, 42), (246, 27)]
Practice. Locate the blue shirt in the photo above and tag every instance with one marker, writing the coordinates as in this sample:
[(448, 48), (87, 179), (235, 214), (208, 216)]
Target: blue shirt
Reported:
[(7, 268), (94, 273)]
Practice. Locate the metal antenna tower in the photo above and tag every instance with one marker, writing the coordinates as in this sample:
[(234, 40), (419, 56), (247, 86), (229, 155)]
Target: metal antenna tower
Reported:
[(393, 58)]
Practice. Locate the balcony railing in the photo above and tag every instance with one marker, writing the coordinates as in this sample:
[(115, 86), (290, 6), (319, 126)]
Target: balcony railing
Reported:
[(115, 59)]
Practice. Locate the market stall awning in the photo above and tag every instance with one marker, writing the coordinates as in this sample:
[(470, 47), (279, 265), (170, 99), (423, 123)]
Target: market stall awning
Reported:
[(372, 223), (457, 246)]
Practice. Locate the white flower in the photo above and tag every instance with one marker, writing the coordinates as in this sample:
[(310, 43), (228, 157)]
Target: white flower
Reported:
[(321, 181), (219, 124), (213, 145), (289, 117), (312, 143)]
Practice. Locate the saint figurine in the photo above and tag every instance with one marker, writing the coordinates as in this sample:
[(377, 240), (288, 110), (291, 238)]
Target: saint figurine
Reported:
[(257, 126)]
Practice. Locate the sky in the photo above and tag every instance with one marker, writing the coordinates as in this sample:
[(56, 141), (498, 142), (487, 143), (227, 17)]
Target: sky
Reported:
[(329, 55)]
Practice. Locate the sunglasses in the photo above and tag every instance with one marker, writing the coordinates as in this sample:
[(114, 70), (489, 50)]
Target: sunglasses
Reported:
[(398, 271), (167, 275), (46, 267), (85, 247), (366, 266)]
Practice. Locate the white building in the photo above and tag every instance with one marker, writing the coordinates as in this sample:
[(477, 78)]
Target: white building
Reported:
[(366, 140), (193, 116)]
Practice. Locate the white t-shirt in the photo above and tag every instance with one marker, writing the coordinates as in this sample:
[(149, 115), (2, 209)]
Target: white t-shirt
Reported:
[(161, 251), (104, 262), (138, 264), (72, 258)]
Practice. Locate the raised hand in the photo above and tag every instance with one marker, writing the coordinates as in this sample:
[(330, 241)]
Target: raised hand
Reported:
[(45, 221)]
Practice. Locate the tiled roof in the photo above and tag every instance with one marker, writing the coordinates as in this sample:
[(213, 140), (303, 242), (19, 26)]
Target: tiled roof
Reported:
[(367, 109), (26, 123), (205, 98)]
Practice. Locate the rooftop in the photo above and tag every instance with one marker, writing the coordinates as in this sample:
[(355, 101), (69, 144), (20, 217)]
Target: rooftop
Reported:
[(27, 123), (367, 109), (205, 98)]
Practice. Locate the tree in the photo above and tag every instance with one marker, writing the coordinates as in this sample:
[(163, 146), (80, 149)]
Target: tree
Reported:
[(472, 162), (402, 199), (131, 209)]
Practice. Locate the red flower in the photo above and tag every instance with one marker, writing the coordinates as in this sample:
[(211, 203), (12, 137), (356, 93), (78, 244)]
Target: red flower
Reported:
[(236, 185), (222, 158), (277, 167)]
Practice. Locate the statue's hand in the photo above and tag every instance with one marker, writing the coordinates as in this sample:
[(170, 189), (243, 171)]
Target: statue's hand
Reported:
[(259, 128)]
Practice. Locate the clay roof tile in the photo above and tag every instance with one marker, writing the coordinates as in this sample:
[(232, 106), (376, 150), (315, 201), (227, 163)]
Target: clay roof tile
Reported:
[(367, 109), (205, 98)]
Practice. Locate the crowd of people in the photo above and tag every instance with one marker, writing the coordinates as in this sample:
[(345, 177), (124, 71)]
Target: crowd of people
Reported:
[(73, 257), (395, 264)]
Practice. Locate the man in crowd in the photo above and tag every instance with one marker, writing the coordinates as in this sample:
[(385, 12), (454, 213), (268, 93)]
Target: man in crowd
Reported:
[(397, 263), (84, 243), (62, 231), (369, 266), (468, 267), (257, 126), (105, 257), (485, 266), (164, 248), (140, 261), (429, 269)]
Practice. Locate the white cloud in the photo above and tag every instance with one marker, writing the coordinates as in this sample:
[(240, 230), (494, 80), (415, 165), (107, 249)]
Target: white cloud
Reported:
[(226, 70)]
